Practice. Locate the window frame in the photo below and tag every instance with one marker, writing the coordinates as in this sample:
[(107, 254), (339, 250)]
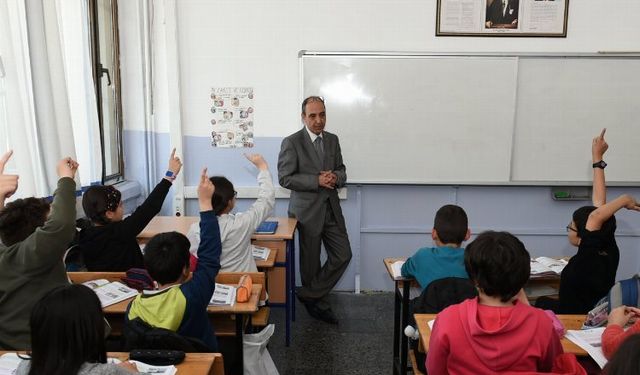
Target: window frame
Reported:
[(98, 72)]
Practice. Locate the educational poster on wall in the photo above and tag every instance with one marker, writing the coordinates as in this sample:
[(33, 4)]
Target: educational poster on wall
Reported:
[(540, 18), (232, 117)]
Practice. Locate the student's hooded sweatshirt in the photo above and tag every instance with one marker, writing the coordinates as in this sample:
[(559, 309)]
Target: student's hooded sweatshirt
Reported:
[(474, 339)]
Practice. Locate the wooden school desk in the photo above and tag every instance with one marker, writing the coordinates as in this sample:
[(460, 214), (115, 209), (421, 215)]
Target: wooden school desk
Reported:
[(568, 321), (115, 314), (402, 293), (193, 364), (281, 277)]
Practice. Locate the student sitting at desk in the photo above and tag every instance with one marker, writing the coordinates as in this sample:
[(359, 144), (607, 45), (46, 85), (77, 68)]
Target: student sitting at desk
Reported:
[(111, 243), (67, 336), (497, 331), (34, 238), (592, 271), (178, 304), (450, 228), (236, 229)]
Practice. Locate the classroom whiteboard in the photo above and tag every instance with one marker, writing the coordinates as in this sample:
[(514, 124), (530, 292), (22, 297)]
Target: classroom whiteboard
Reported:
[(478, 120)]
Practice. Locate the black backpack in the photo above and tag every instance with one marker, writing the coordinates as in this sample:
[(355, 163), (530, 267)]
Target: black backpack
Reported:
[(438, 295), (138, 334)]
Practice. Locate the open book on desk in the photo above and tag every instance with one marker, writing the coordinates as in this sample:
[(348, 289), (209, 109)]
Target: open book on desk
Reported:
[(546, 267), (591, 341), (112, 292), (224, 295), (396, 269), (260, 253)]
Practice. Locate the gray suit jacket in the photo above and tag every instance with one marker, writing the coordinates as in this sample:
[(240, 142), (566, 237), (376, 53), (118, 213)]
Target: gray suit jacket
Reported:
[(298, 170)]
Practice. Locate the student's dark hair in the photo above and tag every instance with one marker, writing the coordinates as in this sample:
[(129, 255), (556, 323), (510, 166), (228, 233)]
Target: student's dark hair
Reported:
[(67, 330), (498, 263), (581, 215), (223, 194), (20, 218), (99, 199), (309, 100), (166, 255), (451, 223), (625, 360)]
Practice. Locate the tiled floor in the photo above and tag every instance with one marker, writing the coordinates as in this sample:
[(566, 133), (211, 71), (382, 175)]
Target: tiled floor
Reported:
[(360, 344)]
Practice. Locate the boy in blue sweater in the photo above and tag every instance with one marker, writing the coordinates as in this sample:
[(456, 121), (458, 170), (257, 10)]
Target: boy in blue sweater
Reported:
[(177, 304), (450, 229)]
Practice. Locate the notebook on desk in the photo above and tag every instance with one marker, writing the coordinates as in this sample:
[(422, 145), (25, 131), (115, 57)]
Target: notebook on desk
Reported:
[(267, 227)]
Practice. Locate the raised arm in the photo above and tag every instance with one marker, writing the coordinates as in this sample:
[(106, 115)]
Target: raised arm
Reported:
[(8, 182), (202, 283), (598, 147), (151, 206), (604, 212), (50, 241), (264, 205)]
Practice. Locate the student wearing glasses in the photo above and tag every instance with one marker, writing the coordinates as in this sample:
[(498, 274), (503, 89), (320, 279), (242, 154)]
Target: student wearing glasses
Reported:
[(236, 229), (592, 271)]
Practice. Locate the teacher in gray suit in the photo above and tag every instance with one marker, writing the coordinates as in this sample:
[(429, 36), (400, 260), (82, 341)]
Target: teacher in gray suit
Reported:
[(310, 165)]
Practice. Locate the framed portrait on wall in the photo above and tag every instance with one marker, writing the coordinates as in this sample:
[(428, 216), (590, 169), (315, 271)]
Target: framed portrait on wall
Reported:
[(513, 18)]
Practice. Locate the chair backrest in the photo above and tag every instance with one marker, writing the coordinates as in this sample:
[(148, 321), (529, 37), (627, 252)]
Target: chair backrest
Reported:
[(139, 335), (442, 293)]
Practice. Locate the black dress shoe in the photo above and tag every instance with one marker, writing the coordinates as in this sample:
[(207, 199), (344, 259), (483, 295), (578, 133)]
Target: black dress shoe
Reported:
[(326, 316)]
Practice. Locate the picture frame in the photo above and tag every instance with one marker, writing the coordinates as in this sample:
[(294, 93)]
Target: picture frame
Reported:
[(502, 18)]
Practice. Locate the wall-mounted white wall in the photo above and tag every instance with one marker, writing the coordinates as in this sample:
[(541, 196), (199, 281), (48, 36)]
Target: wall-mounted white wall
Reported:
[(255, 43)]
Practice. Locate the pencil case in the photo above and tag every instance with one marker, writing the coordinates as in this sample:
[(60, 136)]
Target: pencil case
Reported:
[(243, 292)]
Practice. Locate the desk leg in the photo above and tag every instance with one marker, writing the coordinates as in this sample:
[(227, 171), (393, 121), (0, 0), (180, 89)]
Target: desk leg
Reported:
[(396, 329), (289, 301), (239, 334), (405, 320), (292, 250)]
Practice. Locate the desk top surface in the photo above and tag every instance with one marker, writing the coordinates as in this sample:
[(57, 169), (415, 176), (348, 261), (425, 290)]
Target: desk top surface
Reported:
[(193, 364), (248, 307), (181, 224), (569, 322), (269, 262)]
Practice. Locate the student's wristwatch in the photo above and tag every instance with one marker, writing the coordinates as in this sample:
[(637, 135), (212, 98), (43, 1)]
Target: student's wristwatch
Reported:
[(599, 164)]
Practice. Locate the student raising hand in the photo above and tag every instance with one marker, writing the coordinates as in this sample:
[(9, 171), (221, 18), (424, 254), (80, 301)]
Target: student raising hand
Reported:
[(257, 160), (67, 167), (8, 182), (174, 166), (205, 192)]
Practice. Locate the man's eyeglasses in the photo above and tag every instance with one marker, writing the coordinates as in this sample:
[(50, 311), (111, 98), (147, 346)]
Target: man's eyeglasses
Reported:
[(571, 229), (235, 193)]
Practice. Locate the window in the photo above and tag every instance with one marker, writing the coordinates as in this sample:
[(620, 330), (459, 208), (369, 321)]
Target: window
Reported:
[(103, 19)]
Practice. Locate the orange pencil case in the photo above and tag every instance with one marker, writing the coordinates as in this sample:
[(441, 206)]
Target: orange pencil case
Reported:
[(243, 291)]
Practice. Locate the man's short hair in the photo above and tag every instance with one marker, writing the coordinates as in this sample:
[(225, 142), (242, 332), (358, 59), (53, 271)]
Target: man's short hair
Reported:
[(581, 215), (20, 218), (498, 263), (309, 100), (452, 224), (223, 194), (166, 255)]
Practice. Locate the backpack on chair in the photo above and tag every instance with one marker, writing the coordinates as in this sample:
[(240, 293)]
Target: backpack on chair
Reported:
[(138, 334), (437, 296)]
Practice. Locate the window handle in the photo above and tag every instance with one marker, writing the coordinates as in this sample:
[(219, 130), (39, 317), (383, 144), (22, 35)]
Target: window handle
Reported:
[(102, 72)]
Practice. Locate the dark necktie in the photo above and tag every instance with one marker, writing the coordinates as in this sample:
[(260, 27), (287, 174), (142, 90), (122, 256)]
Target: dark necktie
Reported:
[(317, 144)]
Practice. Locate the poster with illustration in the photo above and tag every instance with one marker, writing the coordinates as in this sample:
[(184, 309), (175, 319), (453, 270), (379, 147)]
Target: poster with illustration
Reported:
[(232, 117)]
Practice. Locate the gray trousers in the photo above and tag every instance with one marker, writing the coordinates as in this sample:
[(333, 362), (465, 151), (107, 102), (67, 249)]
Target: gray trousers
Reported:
[(317, 279)]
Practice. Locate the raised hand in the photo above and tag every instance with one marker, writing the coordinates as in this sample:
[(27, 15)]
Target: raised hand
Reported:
[(67, 167), (621, 315), (599, 146), (8, 182), (205, 192), (174, 164), (257, 160)]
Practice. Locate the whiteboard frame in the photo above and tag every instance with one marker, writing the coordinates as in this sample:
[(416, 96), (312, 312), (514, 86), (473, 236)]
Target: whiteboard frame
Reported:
[(404, 55)]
